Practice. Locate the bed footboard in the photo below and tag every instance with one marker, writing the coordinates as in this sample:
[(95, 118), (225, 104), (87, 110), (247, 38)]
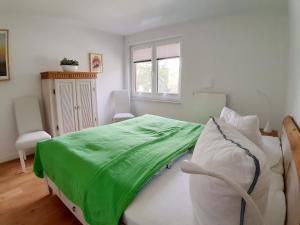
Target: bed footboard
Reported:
[(53, 190)]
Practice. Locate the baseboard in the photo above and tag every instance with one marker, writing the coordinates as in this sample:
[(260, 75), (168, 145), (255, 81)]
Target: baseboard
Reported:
[(8, 158)]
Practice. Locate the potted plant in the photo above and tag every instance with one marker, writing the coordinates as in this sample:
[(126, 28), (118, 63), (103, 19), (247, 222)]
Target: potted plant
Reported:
[(69, 64)]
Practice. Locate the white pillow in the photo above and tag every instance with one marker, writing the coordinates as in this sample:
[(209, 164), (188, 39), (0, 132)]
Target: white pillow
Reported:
[(223, 149), (273, 151), (229, 115), (247, 125)]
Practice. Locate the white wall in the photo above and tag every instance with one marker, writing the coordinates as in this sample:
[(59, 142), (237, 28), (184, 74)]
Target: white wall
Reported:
[(37, 44), (293, 90), (238, 53)]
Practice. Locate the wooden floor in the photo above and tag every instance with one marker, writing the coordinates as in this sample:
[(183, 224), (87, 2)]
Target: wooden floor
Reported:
[(25, 200)]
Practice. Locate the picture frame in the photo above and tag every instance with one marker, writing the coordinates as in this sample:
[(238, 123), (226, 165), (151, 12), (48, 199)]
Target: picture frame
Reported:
[(4, 55), (96, 62)]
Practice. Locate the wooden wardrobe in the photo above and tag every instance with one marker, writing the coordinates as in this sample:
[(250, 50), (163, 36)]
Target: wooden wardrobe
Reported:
[(70, 101)]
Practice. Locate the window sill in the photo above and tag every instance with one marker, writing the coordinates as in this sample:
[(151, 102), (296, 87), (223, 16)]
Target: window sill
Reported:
[(151, 99)]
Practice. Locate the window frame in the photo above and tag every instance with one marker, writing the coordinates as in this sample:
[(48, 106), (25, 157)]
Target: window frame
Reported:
[(154, 95)]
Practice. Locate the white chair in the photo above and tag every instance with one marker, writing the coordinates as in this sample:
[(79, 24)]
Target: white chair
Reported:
[(29, 125), (122, 106)]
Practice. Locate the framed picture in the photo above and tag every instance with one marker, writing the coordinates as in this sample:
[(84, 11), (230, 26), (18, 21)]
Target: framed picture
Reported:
[(4, 65), (96, 62)]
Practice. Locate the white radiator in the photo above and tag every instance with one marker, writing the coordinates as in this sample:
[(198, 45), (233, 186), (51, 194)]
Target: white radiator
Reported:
[(197, 107), (207, 104)]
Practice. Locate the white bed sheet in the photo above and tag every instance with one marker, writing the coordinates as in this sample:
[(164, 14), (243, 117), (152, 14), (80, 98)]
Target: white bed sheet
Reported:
[(166, 200)]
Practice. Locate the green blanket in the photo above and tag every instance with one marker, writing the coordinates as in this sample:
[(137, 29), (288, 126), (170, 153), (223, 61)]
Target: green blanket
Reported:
[(101, 169)]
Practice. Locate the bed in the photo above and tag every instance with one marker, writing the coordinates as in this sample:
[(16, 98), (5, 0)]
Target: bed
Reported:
[(101, 169), (164, 197)]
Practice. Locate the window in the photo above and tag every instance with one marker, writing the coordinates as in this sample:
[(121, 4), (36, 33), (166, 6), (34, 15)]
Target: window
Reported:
[(142, 59), (156, 70)]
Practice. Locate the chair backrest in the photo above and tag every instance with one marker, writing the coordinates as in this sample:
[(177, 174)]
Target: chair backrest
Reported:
[(28, 115), (122, 102)]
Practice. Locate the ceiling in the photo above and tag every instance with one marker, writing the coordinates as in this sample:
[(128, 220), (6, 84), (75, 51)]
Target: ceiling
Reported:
[(129, 16)]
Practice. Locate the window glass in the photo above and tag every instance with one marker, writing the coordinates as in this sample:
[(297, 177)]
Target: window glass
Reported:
[(143, 77), (156, 69), (142, 59), (168, 75), (168, 68)]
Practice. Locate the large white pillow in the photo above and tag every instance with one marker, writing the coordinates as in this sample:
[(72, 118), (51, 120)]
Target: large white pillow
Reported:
[(223, 149), (247, 125)]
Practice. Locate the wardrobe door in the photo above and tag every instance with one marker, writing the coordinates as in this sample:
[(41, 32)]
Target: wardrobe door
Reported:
[(65, 91), (86, 103)]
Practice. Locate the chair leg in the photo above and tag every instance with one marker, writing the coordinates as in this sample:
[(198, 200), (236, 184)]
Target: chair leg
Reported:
[(21, 156), (24, 154)]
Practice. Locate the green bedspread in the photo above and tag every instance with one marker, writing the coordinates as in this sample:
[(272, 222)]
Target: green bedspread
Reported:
[(101, 169)]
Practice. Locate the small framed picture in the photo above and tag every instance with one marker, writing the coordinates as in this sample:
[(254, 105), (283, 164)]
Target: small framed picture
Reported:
[(96, 62), (4, 58)]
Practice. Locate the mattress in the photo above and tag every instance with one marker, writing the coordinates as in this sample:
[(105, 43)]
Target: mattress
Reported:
[(166, 199)]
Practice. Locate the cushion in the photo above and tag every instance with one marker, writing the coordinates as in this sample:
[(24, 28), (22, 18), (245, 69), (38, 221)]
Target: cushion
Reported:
[(122, 116), (29, 140), (273, 151), (221, 148), (247, 125), (229, 115)]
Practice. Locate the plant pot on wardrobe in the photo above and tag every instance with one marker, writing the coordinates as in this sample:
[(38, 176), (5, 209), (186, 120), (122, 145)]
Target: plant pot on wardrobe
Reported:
[(69, 68)]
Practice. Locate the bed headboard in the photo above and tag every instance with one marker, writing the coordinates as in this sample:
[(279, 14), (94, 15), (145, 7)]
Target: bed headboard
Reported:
[(290, 140)]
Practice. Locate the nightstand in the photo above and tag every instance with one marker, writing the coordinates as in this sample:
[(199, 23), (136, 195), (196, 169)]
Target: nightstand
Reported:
[(273, 133)]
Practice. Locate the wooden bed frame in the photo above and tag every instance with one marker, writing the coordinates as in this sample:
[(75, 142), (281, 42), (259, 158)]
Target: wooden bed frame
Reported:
[(293, 134), (290, 142)]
